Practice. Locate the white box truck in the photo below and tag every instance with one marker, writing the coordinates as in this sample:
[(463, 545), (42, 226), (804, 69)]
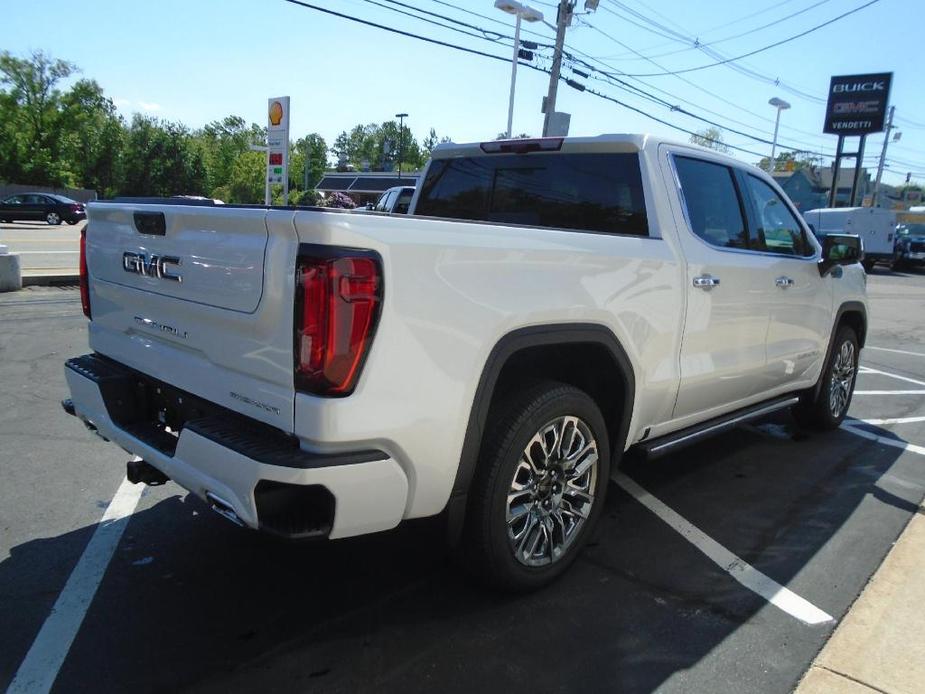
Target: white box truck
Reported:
[(875, 226)]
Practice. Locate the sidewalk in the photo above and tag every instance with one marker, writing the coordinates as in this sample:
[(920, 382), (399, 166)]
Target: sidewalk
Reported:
[(880, 644)]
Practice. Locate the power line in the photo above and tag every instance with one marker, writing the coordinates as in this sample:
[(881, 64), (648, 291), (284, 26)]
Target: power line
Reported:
[(393, 30), (524, 30), (684, 79), (465, 49), (482, 35), (759, 50), (698, 44), (772, 6)]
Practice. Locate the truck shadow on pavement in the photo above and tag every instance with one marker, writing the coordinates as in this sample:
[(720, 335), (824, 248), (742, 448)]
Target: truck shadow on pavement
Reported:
[(191, 603)]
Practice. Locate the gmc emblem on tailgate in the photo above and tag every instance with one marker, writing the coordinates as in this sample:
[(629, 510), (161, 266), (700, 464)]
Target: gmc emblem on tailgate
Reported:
[(160, 266)]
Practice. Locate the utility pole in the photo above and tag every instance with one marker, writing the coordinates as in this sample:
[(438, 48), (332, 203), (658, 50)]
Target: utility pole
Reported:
[(886, 141), (401, 138), (562, 21)]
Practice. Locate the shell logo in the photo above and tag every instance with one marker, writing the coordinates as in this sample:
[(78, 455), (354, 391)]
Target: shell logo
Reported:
[(276, 113)]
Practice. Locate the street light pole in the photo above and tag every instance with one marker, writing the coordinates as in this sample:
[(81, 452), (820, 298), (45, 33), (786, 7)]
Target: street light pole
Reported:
[(510, 105), (401, 138), (780, 105), (521, 12)]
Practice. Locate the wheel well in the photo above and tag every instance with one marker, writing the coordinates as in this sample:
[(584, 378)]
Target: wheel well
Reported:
[(855, 321), (587, 366), (585, 355)]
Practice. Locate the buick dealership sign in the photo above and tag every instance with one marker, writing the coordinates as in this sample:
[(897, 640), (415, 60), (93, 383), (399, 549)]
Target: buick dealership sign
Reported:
[(857, 104)]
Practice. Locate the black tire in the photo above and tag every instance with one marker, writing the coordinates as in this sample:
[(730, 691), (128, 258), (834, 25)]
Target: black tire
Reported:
[(898, 263), (490, 536), (869, 265), (72, 222), (828, 409)]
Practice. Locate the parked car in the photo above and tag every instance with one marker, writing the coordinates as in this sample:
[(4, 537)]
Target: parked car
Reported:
[(547, 305), (395, 200), (49, 207), (910, 246)]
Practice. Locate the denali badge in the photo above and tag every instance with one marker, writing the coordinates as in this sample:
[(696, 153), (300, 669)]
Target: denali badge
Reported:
[(159, 266), (162, 327)]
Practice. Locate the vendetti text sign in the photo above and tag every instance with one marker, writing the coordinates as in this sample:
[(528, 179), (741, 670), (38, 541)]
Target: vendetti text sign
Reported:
[(857, 104)]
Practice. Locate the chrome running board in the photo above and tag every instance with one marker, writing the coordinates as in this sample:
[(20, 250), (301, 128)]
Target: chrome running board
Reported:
[(685, 437)]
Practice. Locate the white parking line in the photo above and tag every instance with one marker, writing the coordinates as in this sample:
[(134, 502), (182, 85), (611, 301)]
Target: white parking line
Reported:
[(896, 420), (38, 670), (889, 392), (750, 577), (897, 351), (911, 447), (868, 370)]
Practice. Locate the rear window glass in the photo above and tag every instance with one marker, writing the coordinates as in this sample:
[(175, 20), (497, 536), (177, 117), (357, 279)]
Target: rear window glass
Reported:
[(592, 192)]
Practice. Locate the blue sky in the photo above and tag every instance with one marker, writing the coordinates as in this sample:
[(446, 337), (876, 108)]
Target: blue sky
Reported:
[(199, 60)]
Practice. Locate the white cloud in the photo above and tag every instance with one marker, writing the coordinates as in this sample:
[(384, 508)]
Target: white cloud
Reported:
[(149, 106)]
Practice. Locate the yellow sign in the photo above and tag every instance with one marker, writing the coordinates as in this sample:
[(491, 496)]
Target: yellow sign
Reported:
[(276, 113)]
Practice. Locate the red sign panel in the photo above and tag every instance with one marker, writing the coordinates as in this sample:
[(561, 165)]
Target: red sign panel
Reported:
[(276, 158)]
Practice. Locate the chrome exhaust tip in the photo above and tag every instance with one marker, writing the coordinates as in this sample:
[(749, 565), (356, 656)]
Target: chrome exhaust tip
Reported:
[(223, 508)]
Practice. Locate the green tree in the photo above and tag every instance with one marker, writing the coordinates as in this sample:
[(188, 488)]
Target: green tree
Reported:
[(92, 137), (313, 151), (161, 159), (247, 183), (711, 138), (790, 161), (30, 139)]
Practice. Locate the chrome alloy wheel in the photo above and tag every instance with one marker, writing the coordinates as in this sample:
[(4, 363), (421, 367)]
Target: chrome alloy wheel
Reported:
[(552, 492), (843, 369), (53, 218)]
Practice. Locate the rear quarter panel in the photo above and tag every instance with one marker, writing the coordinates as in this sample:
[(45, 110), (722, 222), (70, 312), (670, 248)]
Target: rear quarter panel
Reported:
[(452, 291)]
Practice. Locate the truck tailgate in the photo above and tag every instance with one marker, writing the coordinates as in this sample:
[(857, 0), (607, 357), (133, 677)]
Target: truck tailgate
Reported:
[(198, 297)]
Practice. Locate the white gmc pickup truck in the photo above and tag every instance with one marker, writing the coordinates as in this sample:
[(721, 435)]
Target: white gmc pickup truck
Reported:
[(547, 305)]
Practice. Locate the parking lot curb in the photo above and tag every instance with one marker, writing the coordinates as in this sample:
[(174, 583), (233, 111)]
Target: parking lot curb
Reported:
[(50, 280), (880, 644)]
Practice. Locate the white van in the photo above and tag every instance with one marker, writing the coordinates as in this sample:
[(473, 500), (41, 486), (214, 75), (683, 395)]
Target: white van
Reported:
[(875, 226)]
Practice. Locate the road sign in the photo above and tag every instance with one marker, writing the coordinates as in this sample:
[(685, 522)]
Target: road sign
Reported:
[(857, 104), (278, 142)]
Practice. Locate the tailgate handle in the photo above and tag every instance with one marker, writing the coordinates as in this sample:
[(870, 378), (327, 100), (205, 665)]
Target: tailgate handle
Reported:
[(151, 223)]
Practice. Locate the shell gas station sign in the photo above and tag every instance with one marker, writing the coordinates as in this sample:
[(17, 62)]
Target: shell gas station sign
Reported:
[(278, 142)]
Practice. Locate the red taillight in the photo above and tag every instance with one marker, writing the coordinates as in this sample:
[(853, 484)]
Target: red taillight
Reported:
[(337, 307), (77, 208), (84, 276)]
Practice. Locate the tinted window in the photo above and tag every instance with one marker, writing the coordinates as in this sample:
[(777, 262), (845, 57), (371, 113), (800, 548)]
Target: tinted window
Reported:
[(14, 200), (383, 203), (403, 202), (712, 202), (594, 192), (62, 198), (776, 227)]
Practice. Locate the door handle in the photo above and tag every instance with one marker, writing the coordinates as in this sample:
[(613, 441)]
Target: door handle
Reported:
[(783, 282), (706, 282)]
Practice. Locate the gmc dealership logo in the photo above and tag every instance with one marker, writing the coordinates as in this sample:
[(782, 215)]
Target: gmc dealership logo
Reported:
[(159, 266)]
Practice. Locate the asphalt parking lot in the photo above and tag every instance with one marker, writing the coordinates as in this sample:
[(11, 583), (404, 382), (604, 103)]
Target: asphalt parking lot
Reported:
[(190, 602)]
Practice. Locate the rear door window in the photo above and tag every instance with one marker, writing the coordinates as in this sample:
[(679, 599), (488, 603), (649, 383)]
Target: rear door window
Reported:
[(590, 192), (714, 208)]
